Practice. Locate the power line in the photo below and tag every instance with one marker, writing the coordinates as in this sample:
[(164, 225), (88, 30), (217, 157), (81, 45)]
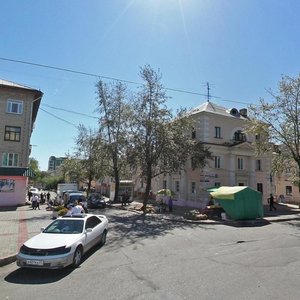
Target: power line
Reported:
[(97, 75), (61, 119), (70, 111)]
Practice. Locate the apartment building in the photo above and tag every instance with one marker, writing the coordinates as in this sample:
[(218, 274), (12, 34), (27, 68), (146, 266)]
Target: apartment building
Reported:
[(55, 162), (19, 106), (234, 162)]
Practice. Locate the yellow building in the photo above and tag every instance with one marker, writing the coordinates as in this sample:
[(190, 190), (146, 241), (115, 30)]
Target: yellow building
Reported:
[(234, 161)]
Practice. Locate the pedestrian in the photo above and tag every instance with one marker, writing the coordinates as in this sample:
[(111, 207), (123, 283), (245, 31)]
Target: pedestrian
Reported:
[(34, 201), (29, 195), (42, 198), (38, 202), (271, 202), (77, 209), (48, 196), (170, 204)]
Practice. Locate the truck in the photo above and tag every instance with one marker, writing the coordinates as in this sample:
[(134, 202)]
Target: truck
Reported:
[(63, 187), (125, 187)]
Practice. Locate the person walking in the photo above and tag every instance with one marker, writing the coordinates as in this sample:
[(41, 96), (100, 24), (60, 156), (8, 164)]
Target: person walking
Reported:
[(34, 201), (271, 202), (170, 204)]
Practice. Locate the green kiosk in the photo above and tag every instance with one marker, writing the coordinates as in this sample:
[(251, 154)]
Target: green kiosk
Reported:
[(239, 202)]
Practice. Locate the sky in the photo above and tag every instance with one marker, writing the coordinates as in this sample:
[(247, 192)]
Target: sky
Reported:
[(240, 47)]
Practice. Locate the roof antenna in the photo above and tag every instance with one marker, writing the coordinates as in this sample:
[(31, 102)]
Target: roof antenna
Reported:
[(208, 95)]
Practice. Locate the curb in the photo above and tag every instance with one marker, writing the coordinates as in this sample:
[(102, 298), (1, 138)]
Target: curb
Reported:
[(7, 260), (263, 221)]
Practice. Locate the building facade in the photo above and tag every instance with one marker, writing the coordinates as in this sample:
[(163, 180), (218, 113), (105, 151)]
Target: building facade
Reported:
[(234, 161), (19, 106), (55, 162)]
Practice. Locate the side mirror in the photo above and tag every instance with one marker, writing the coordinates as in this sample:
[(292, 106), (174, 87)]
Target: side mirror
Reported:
[(42, 229), (89, 229)]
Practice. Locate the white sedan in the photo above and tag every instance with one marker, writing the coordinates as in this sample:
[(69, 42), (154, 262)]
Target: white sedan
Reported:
[(63, 242)]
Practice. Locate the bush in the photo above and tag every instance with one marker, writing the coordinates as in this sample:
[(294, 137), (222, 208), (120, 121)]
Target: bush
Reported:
[(58, 207), (62, 211)]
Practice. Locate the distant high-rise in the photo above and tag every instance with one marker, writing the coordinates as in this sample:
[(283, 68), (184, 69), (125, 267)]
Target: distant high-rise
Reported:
[(55, 162)]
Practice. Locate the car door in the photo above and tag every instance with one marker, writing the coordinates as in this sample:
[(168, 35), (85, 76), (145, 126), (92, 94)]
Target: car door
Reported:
[(92, 237)]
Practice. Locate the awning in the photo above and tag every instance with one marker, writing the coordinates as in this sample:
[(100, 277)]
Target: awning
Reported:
[(227, 192), (13, 171)]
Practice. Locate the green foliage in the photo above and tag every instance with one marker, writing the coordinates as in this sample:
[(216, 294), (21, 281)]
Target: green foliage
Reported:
[(160, 142), (278, 123), (62, 212), (58, 208), (50, 182)]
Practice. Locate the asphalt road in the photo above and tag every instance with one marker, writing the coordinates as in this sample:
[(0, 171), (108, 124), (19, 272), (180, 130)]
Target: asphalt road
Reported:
[(146, 258)]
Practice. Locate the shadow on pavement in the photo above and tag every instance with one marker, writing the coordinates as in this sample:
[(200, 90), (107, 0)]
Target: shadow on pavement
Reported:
[(9, 208), (134, 228), (37, 276), (45, 276)]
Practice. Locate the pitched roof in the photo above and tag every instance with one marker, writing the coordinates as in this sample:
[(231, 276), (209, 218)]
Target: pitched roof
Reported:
[(7, 83), (211, 107)]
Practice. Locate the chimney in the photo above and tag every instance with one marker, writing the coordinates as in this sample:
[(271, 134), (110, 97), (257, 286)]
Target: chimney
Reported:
[(243, 112)]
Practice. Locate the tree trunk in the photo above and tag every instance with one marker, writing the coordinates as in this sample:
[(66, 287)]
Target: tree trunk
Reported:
[(147, 190), (117, 183)]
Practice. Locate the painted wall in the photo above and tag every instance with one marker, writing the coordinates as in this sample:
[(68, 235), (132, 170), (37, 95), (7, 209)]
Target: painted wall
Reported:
[(13, 190)]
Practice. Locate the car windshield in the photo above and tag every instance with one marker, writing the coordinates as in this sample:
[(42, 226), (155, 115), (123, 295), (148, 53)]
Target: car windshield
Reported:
[(78, 198), (65, 226)]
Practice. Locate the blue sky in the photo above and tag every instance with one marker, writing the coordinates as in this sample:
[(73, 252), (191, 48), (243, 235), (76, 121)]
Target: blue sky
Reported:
[(241, 47)]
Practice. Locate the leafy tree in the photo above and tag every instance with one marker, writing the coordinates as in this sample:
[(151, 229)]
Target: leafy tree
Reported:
[(280, 121), (70, 170), (114, 116), (90, 150), (50, 182), (161, 143)]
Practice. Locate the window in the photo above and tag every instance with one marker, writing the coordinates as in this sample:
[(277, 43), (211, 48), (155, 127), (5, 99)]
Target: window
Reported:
[(10, 159), (258, 165), (14, 107), (260, 187), (240, 163), (193, 134), (92, 222), (288, 190), (164, 184), (217, 162), (12, 133), (239, 136), (217, 132), (177, 186), (193, 188)]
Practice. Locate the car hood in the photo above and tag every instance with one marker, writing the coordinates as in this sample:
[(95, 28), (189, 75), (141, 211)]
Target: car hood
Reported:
[(52, 240)]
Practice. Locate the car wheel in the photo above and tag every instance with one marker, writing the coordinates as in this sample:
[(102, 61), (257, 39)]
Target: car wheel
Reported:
[(103, 238), (77, 257)]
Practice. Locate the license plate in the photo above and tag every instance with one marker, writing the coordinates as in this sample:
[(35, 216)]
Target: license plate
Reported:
[(35, 262)]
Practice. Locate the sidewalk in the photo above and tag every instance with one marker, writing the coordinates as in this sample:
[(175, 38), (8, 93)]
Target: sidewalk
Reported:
[(17, 224)]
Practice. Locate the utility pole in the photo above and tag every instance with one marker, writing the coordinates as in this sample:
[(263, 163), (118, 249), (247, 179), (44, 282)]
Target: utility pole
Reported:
[(208, 88)]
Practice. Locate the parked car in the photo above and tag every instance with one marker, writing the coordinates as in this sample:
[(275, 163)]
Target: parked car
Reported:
[(96, 201), (63, 242)]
